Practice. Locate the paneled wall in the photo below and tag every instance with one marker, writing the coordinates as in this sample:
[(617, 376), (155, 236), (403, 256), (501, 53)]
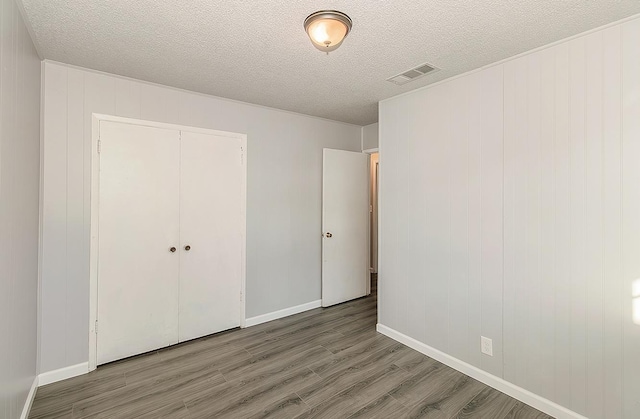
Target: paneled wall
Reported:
[(283, 197), (370, 136), (19, 207), (510, 208)]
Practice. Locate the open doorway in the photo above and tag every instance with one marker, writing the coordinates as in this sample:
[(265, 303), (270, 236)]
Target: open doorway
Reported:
[(373, 211), (374, 163)]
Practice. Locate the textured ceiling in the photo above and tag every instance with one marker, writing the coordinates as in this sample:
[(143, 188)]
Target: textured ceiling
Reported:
[(257, 51)]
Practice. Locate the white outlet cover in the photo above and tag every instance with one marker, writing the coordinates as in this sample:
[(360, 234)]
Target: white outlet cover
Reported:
[(486, 346)]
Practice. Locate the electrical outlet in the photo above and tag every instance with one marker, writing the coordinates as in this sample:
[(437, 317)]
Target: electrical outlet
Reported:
[(486, 346)]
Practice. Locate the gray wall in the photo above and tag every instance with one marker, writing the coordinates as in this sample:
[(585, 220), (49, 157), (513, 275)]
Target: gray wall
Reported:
[(370, 136), (283, 197), (510, 208), (19, 208)]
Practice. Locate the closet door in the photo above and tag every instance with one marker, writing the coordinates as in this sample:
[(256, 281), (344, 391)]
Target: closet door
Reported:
[(210, 234), (138, 225)]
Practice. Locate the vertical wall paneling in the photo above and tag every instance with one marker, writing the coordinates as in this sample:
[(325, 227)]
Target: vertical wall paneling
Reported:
[(283, 195), (390, 120), (474, 219), (458, 335), (370, 136), (491, 214), (387, 120), (9, 402), (613, 300), (561, 225), (416, 206), (7, 106), (158, 103), (531, 224), (546, 303), (128, 101), (76, 268), (401, 213), (19, 210), (578, 222), (531, 185), (515, 125), (438, 222), (54, 219), (630, 210), (593, 281)]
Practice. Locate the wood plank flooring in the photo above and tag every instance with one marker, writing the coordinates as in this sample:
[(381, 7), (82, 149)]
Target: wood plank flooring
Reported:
[(324, 363)]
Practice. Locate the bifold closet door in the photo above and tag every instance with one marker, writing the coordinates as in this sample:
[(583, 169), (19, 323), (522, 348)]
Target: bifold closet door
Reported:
[(138, 225), (210, 228)]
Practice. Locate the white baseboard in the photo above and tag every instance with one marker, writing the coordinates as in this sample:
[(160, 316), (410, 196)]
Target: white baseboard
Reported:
[(252, 321), (525, 396), (29, 402), (63, 373)]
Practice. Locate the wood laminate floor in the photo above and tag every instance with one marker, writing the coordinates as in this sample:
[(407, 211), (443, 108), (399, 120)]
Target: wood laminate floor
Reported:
[(324, 363)]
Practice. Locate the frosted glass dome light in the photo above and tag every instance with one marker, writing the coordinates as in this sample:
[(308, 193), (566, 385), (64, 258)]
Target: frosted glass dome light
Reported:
[(327, 29)]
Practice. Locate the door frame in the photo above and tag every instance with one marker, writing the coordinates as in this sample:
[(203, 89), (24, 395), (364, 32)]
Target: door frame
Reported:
[(96, 118)]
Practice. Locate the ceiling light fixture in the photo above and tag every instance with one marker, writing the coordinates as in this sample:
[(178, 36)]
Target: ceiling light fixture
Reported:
[(327, 29)]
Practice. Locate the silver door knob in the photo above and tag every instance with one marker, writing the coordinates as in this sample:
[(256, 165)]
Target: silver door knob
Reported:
[(172, 249), (328, 235), (187, 248)]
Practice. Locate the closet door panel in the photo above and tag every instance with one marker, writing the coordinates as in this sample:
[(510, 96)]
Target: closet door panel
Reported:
[(138, 224), (210, 224)]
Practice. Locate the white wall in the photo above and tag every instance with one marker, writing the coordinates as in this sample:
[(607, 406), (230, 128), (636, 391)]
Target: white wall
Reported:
[(283, 197), (510, 208), (19, 207), (370, 136)]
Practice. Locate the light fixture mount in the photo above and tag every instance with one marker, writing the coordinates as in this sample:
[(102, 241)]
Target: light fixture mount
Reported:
[(327, 29)]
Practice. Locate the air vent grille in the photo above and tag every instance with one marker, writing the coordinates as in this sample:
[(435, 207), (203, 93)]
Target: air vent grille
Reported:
[(413, 74)]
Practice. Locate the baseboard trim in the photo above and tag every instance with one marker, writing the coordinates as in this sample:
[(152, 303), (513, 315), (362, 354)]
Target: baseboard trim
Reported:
[(252, 321), (63, 373), (525, 396), (30, 397)]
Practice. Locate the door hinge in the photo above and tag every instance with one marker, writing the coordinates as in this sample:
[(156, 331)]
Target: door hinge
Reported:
[(241, 155), (99, 144), (96, 328)]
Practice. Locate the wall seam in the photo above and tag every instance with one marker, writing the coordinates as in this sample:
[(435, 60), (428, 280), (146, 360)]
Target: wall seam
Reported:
[(554, 189), (586, 217), (603, 292), (571, 203), (621, 238), (503, 225), (66, 230)]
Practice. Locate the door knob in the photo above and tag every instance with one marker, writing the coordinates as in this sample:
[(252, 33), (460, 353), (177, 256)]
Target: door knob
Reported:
[(172, 249), (187, 248), (328, 235)]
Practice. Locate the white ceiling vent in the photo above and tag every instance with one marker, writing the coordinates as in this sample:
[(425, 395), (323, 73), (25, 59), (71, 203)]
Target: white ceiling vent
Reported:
[(413, 74)]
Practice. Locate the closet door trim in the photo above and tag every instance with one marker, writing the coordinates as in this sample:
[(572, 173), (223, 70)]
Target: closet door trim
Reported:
[(95, 194)]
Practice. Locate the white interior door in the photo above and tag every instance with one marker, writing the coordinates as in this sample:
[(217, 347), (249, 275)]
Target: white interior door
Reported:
[(210, 228), (138, 225), (345, 226)]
